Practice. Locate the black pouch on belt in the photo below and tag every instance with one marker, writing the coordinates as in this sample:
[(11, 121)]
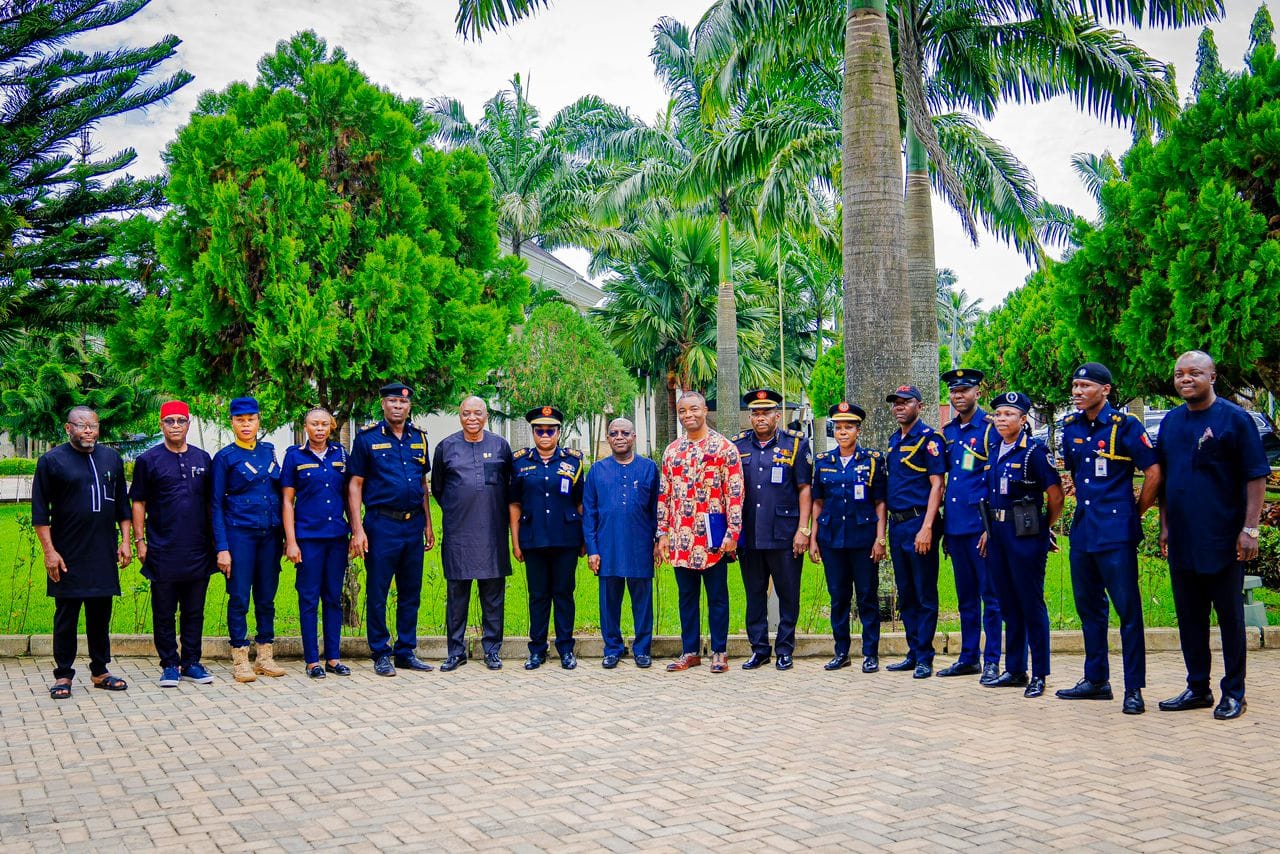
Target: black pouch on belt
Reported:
[(1026, 519)]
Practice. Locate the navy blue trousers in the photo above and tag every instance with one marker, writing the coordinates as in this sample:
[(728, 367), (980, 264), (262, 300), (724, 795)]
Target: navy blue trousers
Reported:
[(641, 590), (690, 583), (1016, 565), (781, 565), (255, 571), (978, 600), (848, 570), (457, 609), (1095, 576), (395, 553), (552, 574), (320, 576), (183, 602), (916, 577), (1194, 594)]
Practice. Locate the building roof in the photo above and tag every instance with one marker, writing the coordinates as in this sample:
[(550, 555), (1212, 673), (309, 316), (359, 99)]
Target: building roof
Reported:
[(549, 271)]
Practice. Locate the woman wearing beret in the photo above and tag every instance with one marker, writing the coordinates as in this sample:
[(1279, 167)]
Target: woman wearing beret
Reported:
[(1018, 540), (246, 533)]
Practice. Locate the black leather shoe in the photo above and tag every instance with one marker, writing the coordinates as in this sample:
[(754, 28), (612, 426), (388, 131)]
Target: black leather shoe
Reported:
[(870, 664), (905, 664), (412, 662), (1188, 699), (990, 673), (609, 662), (783, 663), (959, 669), (492, 661), (923, 671), (644, 661), (383, 667), (1133, 704), (1086, 690), (840, 659), (1229, 708), (1009, 680), (533, 662), (1035, 688), (339, 668), (568, 661), (453, 662), (756, 660)]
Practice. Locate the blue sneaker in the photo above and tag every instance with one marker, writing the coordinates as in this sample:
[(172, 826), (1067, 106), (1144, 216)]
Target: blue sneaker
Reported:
[(197, 674), (169, 678)]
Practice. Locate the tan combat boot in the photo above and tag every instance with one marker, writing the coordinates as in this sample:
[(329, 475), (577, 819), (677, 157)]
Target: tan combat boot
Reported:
[(240, 668), (265, 663)]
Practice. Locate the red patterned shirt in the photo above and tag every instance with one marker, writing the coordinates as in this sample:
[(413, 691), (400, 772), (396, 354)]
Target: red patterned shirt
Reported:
[(701, 490)]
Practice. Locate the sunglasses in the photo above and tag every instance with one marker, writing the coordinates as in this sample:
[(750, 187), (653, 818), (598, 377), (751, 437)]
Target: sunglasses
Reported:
[(615, 434), (545, 431), (174, 422)]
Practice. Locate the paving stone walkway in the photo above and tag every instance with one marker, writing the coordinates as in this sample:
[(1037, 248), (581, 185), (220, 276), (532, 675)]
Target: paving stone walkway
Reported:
[(628, 759)]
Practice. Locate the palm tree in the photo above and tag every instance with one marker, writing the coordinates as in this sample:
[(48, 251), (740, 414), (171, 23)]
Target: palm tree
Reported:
[(957, 315)]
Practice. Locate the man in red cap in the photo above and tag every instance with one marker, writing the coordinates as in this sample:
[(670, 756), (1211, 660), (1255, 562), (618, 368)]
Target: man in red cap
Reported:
[(171, 494)]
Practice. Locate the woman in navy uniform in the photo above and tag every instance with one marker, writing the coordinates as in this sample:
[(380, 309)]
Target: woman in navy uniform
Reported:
[(1019, 540), (546, 532), (849, 489), (313, 482), (246, 533)]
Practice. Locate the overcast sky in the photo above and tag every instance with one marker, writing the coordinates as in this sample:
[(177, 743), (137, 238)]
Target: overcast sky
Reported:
[(574, 48)]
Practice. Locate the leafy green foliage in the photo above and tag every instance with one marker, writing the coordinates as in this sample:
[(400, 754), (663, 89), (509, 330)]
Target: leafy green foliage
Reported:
[(1209, 74), (826, 383), (1261, 31)]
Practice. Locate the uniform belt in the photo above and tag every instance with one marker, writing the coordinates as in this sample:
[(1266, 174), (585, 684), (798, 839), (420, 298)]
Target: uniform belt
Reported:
[(999, 515), (401, 515), (904, 515)]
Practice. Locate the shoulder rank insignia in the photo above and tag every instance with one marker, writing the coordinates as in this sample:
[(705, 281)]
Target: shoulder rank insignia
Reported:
[(523, 452), (573, 452), (743, 435)]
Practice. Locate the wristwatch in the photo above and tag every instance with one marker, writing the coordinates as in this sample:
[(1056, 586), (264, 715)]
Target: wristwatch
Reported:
[(808, 532), (1250, 532)]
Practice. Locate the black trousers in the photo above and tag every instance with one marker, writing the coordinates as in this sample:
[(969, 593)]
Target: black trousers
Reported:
[(168, 600), (97, 630), (1194, 594), (758, 566), (493, 595), (552, 575), (849, 571)]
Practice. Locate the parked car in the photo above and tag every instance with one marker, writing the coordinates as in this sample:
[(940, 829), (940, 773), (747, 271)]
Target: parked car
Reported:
[(1270, 441)]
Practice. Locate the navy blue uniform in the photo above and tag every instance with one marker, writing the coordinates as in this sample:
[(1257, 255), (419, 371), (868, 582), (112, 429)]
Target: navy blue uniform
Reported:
[(1207, 457), (549, 495), (246, 523), (1017, 563), (1102, 456), (846, 530), (911, 460), (393, 468), (969, 448), (772, 476), (321, 531)]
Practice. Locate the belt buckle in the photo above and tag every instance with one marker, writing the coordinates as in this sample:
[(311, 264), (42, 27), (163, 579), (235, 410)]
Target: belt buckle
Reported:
[(407, 517)]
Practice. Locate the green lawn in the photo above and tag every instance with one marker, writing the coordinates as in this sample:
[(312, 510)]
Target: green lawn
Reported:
[(28, 611)]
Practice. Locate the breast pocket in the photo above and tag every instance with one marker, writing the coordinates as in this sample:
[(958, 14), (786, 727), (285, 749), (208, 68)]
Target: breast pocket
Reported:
[(492, 474)]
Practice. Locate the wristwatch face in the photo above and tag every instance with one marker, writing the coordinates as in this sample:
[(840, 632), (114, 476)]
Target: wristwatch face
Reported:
[(1251, 532)]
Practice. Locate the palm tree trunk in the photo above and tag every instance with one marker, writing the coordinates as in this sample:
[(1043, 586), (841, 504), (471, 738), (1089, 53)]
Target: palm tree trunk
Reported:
[(922, 276), (664, 408), (877, 318), (819, 419), (727, 393)]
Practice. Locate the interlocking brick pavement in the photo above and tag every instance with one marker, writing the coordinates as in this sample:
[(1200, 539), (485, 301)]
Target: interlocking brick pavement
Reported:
[(627, 759)]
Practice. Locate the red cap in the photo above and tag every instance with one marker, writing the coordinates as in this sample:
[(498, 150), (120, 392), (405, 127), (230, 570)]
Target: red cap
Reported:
[(174, 407)]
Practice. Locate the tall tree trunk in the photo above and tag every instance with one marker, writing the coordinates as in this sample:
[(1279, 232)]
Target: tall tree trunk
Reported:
[(664, 410), (727, 392), (922, 276), (819, 418), (877, 320)]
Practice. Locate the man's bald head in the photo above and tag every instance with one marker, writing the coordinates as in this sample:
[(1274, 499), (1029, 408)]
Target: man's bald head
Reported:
[(622, 424), (1193, 377), (472, 401), (1197, 357)]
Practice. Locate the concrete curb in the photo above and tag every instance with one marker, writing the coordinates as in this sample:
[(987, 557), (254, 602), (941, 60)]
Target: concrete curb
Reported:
[(807, 646)]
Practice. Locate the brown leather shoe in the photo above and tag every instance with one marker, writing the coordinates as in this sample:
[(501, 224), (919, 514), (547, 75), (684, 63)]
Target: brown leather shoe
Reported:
[(719, 662), (684, 662)]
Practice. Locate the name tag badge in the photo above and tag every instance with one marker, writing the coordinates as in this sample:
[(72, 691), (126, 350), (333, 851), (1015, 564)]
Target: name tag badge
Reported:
[(1004, 485), (776, 475), (966, 461), (564, 486), (859, 492), (1099, 467)]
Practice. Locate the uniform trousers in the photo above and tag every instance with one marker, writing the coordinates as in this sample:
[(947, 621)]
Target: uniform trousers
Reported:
[(641, 589), (552, 574), (493, 595), (690, 583), (182, 601), (1194, 594), (916, 577), (784, 568), (1016, 565), (255, 570), (319, 580), (1095, 576), (977, 598), (848, 570), (97, 630), (395, 553)]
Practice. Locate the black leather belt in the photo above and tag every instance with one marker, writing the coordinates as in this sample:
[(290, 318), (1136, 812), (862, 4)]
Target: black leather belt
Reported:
[(998, 515), (399, 515), (904, 515)]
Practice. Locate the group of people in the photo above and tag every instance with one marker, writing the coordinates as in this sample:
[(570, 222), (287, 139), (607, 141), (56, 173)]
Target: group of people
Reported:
[(982, 489)]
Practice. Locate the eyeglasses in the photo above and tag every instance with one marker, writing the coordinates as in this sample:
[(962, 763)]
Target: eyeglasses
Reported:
[(616, 434), (545, 431), (174, 422), (83, 425)]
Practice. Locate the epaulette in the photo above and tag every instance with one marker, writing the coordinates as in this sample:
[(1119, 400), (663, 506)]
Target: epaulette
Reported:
[(827, 455), (743, 435), (874, 453), (1070, 419), (794, 434), (1135, 417), (1117, 417), (523, 452), (989, 418), (573, 452), (366, 428)]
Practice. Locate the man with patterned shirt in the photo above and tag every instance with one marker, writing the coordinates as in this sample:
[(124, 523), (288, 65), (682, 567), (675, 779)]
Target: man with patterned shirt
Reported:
[(699, 519)]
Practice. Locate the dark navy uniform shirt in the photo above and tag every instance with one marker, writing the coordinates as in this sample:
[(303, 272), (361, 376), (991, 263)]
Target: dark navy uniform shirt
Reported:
[(82, 498), (969, 449), (1024, 472), (177, 490), (772, 475), (1102, 456), (393, 469), (246, 490), (549, 493), (911, 460), (849, 494), (320, 490), (1207, 457)]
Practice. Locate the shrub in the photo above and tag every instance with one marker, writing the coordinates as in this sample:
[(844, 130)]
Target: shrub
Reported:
[(17, 466)]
